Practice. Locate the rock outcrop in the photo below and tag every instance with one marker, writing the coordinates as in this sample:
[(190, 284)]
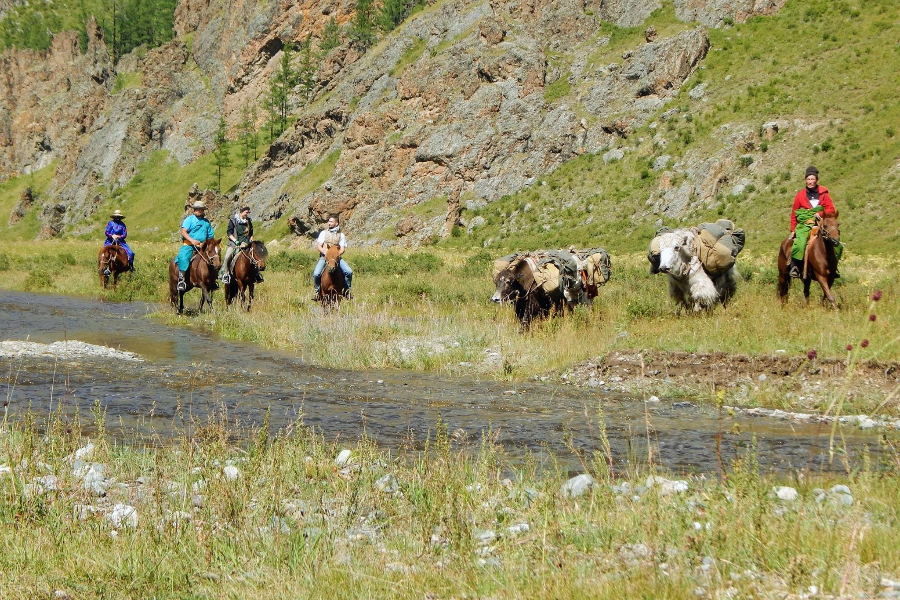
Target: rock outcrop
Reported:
[(461, 104)]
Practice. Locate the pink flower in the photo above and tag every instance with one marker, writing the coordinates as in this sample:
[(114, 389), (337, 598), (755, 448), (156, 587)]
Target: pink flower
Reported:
[(872, 317), (812, 354), (876, 296), (864, 343), (849, 347)]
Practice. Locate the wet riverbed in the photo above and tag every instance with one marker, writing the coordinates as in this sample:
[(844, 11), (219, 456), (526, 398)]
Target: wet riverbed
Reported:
[(188, 377)]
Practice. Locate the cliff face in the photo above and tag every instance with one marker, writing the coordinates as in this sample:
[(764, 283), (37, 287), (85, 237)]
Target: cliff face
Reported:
[(466, 102)]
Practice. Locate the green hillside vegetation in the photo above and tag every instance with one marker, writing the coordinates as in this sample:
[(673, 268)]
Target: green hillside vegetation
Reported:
[(127, 24), (830, 65), (11, 192)]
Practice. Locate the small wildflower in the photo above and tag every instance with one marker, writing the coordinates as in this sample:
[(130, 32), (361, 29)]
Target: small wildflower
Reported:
[(849, 347), (68, 431), (876, 296), (864, 343), (5, 404), (812, 354), (871, 317)]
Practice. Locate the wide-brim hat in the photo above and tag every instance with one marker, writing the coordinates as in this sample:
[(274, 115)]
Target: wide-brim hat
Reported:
[(199, 204), (117, 213)]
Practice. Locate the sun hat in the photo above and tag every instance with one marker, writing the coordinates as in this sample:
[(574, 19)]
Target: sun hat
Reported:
[(199, 204), (117, 213)]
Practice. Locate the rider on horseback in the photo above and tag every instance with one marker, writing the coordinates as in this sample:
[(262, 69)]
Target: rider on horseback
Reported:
[(195, 229), (116, 232), (240, 235), (329, 237), (808, 202)]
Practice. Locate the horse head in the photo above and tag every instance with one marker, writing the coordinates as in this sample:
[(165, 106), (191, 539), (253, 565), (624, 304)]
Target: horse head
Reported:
[(332, 258), (209, 251), (676, 251), (829, 228), (259, 253)]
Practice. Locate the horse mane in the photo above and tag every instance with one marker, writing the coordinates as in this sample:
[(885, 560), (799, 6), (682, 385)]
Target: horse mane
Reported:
[(833, 215), (260, 249), (205, 245)]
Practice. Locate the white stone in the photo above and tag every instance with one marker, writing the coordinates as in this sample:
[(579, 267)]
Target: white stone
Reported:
[(518, 528), (577, 486), (122, 515), (387, 483), (866, 422), (613, 155), (653, 399), (231, 473), (667, 486), (343, 458), (786, 493)]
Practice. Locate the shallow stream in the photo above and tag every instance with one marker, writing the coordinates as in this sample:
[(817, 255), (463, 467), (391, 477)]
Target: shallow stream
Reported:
[(189, 376)]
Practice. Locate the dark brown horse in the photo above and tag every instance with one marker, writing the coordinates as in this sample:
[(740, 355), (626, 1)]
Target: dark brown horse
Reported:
[(202, 272), (333, 284), (248, 264), (820, 263), (112, 260)]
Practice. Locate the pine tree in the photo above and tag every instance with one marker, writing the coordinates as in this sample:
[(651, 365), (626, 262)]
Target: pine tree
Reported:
[(362, 31), (306, 71), (221, 156), (245, 130), (331, 37), (254, 133), (393, 12), (276, 101)]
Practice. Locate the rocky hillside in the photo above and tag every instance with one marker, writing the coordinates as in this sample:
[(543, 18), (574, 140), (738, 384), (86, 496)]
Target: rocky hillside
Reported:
[(457, 123)]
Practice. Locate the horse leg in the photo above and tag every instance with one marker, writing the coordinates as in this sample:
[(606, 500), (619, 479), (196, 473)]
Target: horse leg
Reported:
[(250, 288), (826, 290), (806, 283)]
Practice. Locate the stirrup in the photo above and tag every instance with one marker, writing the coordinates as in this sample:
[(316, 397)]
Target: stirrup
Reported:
[(348, 294), (107, 272), (226, 278), (317, 296), (181, 286), (259, 278)]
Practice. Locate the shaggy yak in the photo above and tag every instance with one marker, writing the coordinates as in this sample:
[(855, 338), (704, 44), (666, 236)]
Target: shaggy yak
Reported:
[(689, 283), (516, 284)]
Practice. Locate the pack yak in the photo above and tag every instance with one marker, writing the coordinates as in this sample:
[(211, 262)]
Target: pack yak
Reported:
[(677, 254)]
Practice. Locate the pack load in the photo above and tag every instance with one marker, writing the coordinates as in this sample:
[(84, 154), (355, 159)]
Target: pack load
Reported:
[(553, 270), (718, 245), (596, 266)]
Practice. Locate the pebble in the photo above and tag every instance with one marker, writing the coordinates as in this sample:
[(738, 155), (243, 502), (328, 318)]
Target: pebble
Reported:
[(122, 515), (387, 484), (82, 453), (653, 399), (343, 458), (485, 536), (667, 486), (231, 473), (518, 528), (577, 486), (786, 493), (838, 495)]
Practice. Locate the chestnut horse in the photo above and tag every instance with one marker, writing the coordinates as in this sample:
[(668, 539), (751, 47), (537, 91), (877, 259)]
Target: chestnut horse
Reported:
[(248, 264), (820, 263), (202, 273), (333, 284), (112, 260)]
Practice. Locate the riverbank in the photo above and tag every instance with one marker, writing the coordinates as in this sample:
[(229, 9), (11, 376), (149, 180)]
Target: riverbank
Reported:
[(429, 310), (294, 516)]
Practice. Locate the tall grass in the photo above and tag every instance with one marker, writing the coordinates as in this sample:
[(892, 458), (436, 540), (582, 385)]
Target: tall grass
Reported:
[(277, 516)]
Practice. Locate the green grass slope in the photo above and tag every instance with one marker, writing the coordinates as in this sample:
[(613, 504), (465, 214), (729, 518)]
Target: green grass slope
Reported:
[(827, 68)]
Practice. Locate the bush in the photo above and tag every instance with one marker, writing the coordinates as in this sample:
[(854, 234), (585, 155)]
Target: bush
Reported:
[(397, 264), (38, 280), (292, 261), (477, 265), (647, 306)]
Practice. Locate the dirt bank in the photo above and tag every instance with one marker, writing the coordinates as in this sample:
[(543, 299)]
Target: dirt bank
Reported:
[(775, 380)]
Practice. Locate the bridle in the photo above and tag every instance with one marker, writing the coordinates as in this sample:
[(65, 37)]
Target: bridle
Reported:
[(251, 256), (207, 258), (827, 232)]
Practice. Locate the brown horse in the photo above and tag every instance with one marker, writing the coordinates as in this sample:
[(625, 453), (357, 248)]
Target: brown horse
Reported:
[(112, 260), (333, 284), (820, 263), (248, 264), (202, 272)]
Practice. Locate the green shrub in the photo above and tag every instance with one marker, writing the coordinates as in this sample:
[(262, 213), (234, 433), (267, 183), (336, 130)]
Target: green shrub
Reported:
[(397, 264), (38, 280), (290, 261)]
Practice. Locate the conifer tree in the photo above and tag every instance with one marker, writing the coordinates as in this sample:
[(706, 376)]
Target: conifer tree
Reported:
[(245, 130), (362, 31), (331, 37), (306, 70), (393, 12), (254, 133), (221, 157)]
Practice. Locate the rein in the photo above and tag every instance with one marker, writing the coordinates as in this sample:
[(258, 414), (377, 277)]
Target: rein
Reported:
[(208, 259), (248, 252)]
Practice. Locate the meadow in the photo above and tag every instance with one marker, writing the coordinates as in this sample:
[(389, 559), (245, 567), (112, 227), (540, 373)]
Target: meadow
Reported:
[(430, 310), (292, 515)]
